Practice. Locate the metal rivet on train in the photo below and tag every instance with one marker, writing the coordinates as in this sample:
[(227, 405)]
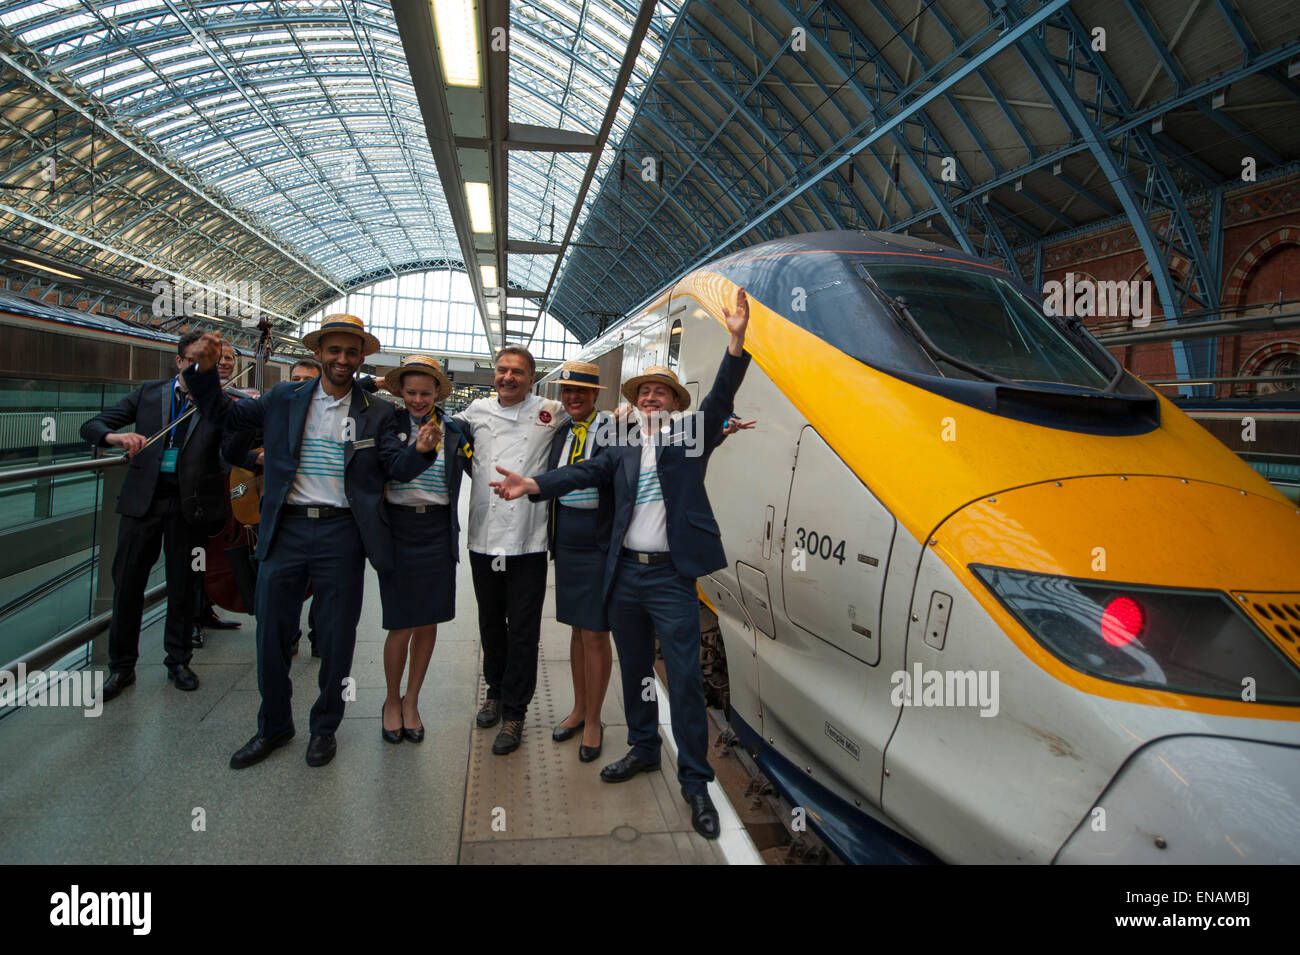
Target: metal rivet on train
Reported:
[(993, 500), (1123, 478), (1058, 483), (1160, 843), (1243, 493), (933, 542), (1242, 597), (886, 772), (1184, 480), (916, 618)]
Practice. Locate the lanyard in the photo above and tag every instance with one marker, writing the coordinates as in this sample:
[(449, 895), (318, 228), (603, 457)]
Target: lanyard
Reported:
[(178, 405)]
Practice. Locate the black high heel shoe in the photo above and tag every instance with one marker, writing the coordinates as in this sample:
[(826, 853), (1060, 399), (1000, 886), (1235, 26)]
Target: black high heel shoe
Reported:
[(390, 736), (562, 732), (589, 754), (414, 735)]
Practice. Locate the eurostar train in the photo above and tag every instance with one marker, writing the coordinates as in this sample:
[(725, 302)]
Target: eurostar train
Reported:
[(990, 597)]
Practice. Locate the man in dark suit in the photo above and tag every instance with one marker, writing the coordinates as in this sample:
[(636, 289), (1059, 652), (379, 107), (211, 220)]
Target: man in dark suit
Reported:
[(329, 449), (173, 496), (664, 536)]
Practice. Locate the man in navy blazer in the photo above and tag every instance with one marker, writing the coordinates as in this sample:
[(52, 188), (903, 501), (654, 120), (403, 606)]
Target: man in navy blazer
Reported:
[(174, 494), (330, 447), (664, 536)]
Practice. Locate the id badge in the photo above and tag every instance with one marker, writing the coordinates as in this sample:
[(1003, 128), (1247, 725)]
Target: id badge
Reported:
[(169, 460)]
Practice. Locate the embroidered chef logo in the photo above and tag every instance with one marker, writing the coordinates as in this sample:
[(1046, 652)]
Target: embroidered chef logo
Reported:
[(544, 417)]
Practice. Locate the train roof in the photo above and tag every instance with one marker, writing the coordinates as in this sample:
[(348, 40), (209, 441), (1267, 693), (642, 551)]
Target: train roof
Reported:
[(27, 307)]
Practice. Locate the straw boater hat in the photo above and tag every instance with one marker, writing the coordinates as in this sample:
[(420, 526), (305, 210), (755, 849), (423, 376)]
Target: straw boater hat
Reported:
[(661, 375), (580, 374), (423, 365), (341, 323)]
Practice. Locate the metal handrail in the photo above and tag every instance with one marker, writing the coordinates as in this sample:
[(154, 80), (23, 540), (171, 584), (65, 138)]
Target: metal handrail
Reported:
[(67, 467), (58, 647)]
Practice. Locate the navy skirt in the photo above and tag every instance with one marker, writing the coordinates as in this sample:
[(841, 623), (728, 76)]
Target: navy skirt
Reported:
[(579, 569), (421, 588)]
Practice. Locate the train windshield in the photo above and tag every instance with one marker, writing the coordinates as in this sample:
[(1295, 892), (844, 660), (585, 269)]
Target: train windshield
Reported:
[(973, 325)]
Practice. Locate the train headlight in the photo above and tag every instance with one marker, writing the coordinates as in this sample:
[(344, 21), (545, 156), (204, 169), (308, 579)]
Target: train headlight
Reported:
[(1189, 641)]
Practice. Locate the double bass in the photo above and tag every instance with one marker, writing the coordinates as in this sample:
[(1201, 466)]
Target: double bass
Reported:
[(231, 577)]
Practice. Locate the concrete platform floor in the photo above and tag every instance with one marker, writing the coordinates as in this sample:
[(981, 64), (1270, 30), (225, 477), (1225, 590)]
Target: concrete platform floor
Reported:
[(148, 781)]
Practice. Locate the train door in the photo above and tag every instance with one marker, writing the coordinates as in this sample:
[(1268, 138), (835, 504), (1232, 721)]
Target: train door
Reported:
[(825, 699)]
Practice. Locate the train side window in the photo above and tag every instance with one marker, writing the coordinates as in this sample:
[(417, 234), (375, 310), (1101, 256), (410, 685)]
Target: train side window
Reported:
[(674, 344)]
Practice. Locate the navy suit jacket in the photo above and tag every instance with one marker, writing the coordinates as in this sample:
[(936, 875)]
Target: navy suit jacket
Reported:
[(374, 455), (693, 537), (149, 408), (605, 505)]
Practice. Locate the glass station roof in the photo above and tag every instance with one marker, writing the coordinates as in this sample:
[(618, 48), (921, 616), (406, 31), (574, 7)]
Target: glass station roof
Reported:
[(303, 116)]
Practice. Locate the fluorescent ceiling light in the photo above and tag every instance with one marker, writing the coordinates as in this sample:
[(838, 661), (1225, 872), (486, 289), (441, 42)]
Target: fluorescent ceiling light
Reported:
[(457, 41), (493, 308), (489, 274), (480, 206), (46, 268)]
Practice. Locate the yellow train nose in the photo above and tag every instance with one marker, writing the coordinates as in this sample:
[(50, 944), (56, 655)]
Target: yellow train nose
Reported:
[(1074, 568)]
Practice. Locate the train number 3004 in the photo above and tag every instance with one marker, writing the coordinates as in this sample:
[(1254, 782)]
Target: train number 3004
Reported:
[(819, 545)]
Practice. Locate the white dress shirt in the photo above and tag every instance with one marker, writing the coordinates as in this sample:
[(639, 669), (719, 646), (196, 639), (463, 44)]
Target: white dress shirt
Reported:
[(517, 438), (648, 530), (320, 460)]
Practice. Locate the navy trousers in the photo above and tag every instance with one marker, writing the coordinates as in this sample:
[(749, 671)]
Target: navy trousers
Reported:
[(649, 599), (328, 554)]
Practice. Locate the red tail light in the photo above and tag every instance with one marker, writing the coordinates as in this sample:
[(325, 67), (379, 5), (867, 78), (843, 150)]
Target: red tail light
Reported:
[(1122, 621)]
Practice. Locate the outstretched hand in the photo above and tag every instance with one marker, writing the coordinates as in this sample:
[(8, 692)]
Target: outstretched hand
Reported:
[(734, 424), (737, 322), (513, 486)]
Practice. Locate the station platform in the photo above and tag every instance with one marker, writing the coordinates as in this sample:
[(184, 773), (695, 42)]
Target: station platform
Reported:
[(148, 780)]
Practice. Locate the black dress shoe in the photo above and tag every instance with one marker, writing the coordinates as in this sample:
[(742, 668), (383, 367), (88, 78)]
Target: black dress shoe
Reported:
[(704, 816), (210, 622), (196, 638), (627, 767), (490, 715), (414, 735), (117, 681), (508, 740), (321, 749), (183, 677), (390, 736), (258, 748), (562, 732), (589, 754)]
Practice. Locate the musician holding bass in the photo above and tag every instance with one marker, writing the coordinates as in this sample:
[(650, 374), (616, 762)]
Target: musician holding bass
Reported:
[(173, 496)]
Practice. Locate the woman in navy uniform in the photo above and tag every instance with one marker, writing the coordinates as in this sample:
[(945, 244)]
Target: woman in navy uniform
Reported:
[(419, 592), (579, 532)]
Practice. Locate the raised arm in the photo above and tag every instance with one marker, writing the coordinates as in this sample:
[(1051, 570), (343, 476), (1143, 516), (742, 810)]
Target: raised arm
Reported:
[(213, 403), (717, 405)]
